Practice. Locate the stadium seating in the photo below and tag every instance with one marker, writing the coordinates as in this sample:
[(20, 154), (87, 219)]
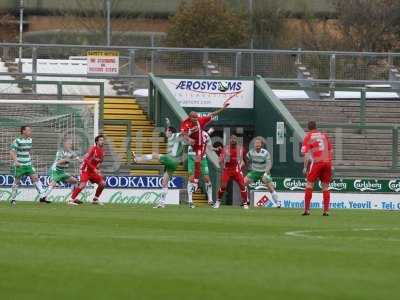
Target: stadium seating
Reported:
[(7, 88), (149, 140), (371, 148), (60, 66)]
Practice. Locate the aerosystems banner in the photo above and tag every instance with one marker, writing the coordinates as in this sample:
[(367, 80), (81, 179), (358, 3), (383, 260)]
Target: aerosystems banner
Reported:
[(121, 182), (118, 196), (206, 92), (338, 200)]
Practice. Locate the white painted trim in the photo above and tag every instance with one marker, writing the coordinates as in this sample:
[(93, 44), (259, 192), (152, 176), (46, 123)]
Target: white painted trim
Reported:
[(78, 102)]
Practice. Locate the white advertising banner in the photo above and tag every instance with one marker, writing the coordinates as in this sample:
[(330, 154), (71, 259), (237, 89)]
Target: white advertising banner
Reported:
[(206, 92), (121, 196), (338, 200), (103, 62)]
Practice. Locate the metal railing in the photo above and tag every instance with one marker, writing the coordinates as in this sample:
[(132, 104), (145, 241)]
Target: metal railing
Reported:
[(127, 143), (394, 128), (284, 65)]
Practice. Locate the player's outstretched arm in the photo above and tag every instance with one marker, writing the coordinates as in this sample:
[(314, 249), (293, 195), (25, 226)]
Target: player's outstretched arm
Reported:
[(218, 111), (62, 161), (186, 138)]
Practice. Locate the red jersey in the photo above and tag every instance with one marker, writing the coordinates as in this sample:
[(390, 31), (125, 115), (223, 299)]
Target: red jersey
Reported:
[(205, 142), (92, 159), (194, 130), (318, 145), (231, 156)]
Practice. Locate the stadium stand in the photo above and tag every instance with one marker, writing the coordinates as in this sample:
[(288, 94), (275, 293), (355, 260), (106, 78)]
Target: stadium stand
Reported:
[(63, 66), (7, 88), (366, 149), (146, 138)]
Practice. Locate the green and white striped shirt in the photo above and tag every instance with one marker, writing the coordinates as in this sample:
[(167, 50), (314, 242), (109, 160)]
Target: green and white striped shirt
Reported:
[(63, 155), (175, 145), (259, 161), (22, 147)]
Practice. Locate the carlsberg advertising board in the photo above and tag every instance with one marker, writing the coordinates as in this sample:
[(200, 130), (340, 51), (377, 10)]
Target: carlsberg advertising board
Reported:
[(290, 184)]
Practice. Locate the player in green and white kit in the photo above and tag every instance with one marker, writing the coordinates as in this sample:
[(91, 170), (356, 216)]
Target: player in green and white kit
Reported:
[(203, 166), (21, 155), (58, 172), (260, 166), (170, 160)]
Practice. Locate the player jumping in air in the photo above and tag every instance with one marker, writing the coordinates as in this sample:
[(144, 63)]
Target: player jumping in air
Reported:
[(191, 129), (61, 163), (90, 172), (231, 158), (21, 155), (191, 187), (260, 167), (170, 160), (318, 154)]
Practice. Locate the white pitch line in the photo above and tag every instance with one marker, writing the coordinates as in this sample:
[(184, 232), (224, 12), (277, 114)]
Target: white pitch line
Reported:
[(307, 233), (303, 233)]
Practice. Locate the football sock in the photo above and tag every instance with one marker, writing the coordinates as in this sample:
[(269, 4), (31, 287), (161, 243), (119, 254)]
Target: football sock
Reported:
[(274, 195), (99, 190), (243, 195), (75, 193), (14, 189), (326, 197), (220, 193), (163, 195), (209, 192), (190, 189), (48, 191), (39, 188), (307, 199), (147, 157)]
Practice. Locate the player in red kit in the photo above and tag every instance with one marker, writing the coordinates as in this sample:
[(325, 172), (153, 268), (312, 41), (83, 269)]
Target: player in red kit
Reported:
[(192, 129), (90, 172), (318, 155), (231, 158)]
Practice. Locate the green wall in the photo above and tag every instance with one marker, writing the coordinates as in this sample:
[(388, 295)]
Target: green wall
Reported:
[(266, 116)]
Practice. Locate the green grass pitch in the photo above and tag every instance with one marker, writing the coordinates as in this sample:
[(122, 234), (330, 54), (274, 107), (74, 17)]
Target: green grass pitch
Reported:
[(128, 252)]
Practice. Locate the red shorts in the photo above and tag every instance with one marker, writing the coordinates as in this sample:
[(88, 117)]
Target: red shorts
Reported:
[(93, 177), (321, 171), (235, 174)]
